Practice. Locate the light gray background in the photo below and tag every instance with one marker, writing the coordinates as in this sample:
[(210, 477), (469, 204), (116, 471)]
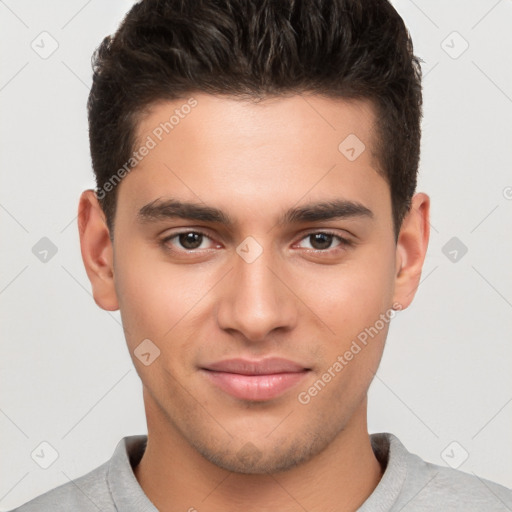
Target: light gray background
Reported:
[(66, 375)]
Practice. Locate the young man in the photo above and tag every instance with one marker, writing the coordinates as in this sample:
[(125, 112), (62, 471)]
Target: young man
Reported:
[(255, 217)]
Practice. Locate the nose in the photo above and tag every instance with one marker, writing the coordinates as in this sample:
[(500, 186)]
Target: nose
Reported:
[(257, 299)]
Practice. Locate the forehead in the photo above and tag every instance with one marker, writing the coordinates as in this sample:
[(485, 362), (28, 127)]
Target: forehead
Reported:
[(254, 156), (226, 121)]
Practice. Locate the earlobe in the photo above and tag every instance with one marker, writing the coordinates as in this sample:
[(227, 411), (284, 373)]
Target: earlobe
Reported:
[(411, 249), (97, 251)]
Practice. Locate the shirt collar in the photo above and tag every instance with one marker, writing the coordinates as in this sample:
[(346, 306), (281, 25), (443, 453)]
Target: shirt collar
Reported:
[(392, 455), (128, 495), (126, 492)]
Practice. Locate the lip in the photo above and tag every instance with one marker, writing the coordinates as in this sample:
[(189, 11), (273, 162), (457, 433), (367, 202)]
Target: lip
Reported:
[(268, 366), (255, 380)]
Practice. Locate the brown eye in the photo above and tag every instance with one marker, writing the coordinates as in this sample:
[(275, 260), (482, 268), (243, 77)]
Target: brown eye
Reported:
[(187, 241), (191, 240), (323, 241)]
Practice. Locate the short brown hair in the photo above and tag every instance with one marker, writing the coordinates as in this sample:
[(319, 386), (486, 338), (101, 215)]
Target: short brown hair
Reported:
[(168, 49)]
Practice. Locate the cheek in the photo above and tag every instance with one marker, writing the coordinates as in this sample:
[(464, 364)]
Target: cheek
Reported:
[(352, 296), (157, 303), (159, 300), (150, 295)]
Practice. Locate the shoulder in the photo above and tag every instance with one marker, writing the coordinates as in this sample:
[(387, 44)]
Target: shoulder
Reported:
[(86, 493), (455, 490), (429, 487), (110, 487)]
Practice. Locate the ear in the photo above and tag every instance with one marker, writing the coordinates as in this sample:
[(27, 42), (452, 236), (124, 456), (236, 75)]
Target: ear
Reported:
[(411, 248), (97, 250)]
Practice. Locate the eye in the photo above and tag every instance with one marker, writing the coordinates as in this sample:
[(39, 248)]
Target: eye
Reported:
[(188, 240), (322, 241)]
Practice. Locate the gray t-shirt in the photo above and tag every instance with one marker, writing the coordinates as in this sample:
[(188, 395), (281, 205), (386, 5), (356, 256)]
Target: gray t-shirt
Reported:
[(409, 484)]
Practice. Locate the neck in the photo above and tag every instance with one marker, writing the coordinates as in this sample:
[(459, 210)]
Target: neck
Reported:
[(175, 476)]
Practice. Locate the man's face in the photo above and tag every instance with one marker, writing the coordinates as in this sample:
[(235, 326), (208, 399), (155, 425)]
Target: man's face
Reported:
[(263, 286)]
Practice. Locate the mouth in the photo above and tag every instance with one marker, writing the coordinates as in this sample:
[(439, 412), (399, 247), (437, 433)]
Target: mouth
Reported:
[(255, 380)]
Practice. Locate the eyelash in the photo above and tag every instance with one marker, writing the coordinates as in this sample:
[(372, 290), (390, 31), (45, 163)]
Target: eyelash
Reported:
[(344, 242)]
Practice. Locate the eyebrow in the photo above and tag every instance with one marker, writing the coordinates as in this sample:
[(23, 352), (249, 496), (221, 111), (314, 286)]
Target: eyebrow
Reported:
[(312, 212)]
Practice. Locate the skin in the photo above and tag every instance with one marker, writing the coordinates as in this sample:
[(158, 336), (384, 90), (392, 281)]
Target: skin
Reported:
[(253, 162)]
